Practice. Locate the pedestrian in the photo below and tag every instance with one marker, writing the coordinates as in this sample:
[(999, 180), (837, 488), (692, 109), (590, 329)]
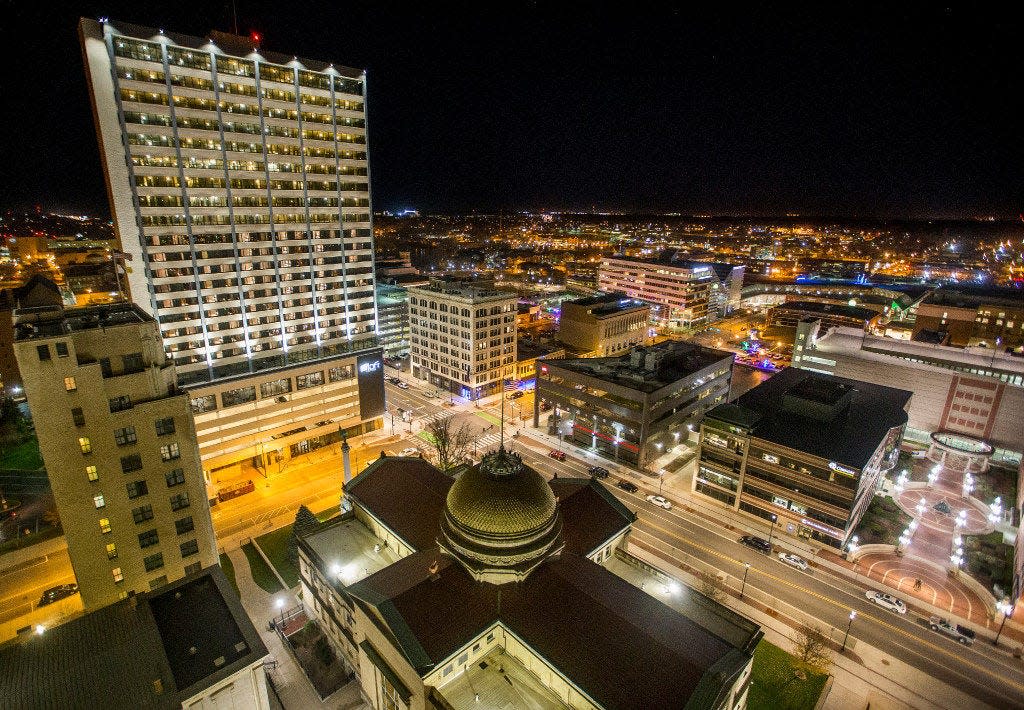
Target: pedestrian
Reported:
[(917, 585)]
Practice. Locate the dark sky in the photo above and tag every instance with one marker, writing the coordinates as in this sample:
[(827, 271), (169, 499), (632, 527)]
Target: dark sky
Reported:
[(851, 110)]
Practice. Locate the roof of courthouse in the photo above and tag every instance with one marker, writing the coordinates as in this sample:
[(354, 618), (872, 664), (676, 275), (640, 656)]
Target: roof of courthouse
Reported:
[(136, 653), (830, 417)]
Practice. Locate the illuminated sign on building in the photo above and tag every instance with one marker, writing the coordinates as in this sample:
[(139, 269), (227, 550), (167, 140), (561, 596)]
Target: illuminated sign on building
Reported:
[(769, 458), (367, 367), (841, 469)]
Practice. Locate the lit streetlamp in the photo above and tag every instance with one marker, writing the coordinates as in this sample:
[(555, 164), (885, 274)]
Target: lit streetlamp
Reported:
[(746, 568), (995, 511), (853, 615), (279, 603), (771, 531), (1006, 609)]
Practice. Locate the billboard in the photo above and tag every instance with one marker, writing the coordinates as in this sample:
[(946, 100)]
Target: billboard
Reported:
[(370, 376)]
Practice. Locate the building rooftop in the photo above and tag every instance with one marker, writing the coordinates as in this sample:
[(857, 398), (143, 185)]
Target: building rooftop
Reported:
[(527, 349), (967, 297), (470, 289), (347, 544), (607, 304), (828, 309), (136, 653), (54, 321), (834, 418), (648, 368)]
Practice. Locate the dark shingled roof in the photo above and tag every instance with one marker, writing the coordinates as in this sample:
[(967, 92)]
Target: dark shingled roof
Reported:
[(618, 644), (851, 439), (111, 657), (591, 515)]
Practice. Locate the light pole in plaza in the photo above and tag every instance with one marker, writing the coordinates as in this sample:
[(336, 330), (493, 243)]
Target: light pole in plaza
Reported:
[(743, 588), (1006, 609), (853, 615)]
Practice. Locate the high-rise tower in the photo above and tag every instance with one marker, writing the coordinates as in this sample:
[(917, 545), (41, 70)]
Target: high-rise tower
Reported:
[(239, 187)]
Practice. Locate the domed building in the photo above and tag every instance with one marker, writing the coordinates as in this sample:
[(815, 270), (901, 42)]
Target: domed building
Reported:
[(505, 589)]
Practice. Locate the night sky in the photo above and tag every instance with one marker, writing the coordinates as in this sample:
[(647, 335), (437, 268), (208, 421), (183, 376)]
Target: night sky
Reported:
[(630, 106)]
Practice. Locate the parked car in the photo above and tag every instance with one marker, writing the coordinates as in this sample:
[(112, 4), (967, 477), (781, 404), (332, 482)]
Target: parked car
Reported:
[(598, 472), (887, 601), (393, 380), (557, 455), (955, 631), (627, 486), (403, 384), (59, 592), (545, 406), (409, 451), (660, 502), (757, 543), (431, 394), (516, 395), (793, 560)]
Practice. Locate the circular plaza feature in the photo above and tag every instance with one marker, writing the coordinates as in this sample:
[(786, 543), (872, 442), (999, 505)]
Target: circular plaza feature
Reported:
[(959, 452)]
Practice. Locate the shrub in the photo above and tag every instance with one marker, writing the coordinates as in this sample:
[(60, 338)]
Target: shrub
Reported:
[(322, 651)]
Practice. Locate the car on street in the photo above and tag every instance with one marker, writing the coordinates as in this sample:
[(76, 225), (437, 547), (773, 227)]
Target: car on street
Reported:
[(430, 394), (793, 560), (402, 384), (516, 395), (627, 486), (955, 631), (598, 471), (409, 451), (660, 502), (557, 455), (887, 601), (393, 380), (56, 593), (757, 543)]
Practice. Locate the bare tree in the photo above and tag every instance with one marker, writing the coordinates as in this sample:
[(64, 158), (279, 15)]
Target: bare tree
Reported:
[(449, 441), (810, 653), (708, 585)]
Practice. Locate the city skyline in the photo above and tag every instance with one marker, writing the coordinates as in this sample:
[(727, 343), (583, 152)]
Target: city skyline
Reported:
[(859, 113)]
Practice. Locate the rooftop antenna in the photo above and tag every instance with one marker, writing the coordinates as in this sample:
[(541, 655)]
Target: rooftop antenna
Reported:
[(234, 12)]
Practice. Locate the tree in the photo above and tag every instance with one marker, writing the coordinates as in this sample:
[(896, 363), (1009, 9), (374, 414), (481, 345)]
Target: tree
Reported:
[(305, 523), (810, 653), (450, 442)]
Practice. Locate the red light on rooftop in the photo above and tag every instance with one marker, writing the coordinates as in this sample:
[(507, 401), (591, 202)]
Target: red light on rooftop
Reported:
[(256, 37)]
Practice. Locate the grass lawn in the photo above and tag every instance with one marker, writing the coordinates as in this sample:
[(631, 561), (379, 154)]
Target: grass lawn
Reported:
[(275, 546), (770, 673), (261, 573), (324, 515), (229, 571), (24, 456), (883, 522)]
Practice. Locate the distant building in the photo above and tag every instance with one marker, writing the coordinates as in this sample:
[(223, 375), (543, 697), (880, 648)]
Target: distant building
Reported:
[(463, 335), (962, 318), (974, 391), (789, 314), (636, 406), (804, 450), (530, 352), (190, 645), (498, 590), (119, 446), (37, 292), (603, 325)]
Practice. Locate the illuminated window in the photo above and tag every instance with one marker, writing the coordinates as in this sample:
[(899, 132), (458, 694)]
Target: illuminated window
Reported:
[(169, 452), (104, 525), (118, 577), (90, 471), (111, 551), (69, 384), (98, 500), (388, 695), (84, 444)]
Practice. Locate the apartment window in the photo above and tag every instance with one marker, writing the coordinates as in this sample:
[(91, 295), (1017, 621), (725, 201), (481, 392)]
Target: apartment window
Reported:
[(136, 489), (91, 474), (184, 525), (69, 384), (105, 368), (104, 525), (165, 426), (131, 463), (158, 582), (98, 500), (118, 577), (43, 351), (85, 445), (119, 404), (78, 416), (206, 403), (153, 562), (237, 396), (179, 501), (312, 379), (149, 538), (193, 568), (388, 695), (111, 551), (142, 513), (169, 452), (336, 374), (276, 387), (189, 548), (62, 349), (125, 436), (175, 477), (133, 363)]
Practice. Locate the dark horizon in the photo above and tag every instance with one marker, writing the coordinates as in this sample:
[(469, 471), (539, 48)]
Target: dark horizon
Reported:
[(861, 113)]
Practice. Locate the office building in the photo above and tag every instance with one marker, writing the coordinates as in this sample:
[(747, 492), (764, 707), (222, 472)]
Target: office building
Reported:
[(679, 292), (603, 325), (239, 189), (802, 450), (973, 391), (501, 589), (463, 335), (188, 645), (119, 445), (636, 406), (990, 317), (529, 352), (394, 277)]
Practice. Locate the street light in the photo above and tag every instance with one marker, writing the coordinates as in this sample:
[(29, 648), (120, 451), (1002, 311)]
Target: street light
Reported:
[(995, 511), (1006, 609), (280, 606), (853, 615), (746, 568), (771, 531)]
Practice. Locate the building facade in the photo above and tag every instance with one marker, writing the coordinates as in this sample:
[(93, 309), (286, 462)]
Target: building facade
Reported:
[(463, 336), (634, 407), (804, 451), (239, 187), (995, 320), (679, 292), (119, 445), (603, 325)]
